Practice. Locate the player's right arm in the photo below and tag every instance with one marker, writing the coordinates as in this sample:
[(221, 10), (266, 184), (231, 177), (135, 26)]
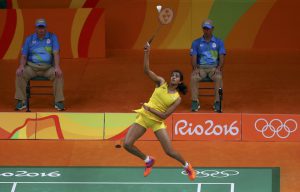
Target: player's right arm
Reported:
[(157, 79), (167, 113)]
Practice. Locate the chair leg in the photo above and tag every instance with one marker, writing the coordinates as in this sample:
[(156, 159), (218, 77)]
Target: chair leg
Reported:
[(220, 97), (28, 96)]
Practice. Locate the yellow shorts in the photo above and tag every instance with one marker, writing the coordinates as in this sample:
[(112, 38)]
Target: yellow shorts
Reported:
[(149, 123)]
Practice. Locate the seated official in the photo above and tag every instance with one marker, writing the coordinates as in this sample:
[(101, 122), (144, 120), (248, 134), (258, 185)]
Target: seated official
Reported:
[(207, 59), (40, 57)]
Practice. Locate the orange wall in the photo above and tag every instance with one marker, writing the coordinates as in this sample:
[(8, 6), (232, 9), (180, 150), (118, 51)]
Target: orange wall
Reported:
[(281, 27), (266, 24), (81, 32)]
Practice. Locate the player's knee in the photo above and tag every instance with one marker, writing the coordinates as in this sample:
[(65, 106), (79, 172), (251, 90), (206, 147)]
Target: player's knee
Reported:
[(170, 153), (127, 145)]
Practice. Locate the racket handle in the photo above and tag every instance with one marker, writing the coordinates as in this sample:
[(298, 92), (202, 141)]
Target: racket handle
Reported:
[(156, 31), (150, 40), (145, 49)]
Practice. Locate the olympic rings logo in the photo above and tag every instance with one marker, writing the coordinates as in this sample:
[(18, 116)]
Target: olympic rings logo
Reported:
[(276, 127), (214, 173)]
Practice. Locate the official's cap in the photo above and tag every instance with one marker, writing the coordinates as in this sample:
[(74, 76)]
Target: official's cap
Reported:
[(40, 23), (208, 24)]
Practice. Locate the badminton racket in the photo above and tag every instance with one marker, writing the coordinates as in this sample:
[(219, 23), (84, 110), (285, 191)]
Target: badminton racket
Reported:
[(165, 16)]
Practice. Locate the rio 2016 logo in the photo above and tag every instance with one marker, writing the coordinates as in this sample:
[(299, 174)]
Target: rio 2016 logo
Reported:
[(182, 127), (29, 174)]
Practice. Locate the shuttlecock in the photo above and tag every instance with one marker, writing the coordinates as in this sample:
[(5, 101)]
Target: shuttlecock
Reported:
[(158, 7)]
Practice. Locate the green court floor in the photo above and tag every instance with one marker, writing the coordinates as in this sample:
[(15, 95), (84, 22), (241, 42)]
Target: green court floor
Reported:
[(130, 179)]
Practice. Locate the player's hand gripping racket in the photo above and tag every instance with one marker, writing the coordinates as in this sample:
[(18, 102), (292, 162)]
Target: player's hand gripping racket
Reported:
[(165, 16)]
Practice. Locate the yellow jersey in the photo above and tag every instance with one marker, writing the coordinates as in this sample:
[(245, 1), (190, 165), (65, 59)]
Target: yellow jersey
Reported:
[(160, 100)]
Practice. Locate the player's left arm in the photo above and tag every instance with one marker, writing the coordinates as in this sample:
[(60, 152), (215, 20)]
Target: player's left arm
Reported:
[(167, 113), (157, 79)]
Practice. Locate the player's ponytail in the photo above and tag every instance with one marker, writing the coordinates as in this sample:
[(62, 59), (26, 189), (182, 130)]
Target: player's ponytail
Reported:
[(181, 87)]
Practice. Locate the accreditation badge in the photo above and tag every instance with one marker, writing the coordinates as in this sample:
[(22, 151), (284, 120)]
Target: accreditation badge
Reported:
[(214, 45)]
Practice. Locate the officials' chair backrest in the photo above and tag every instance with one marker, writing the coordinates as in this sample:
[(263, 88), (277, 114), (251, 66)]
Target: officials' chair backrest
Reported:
[(28, 89), (210, 87), (207, 84)]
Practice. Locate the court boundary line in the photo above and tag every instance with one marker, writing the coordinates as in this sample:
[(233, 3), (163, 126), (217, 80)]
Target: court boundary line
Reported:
[(14, 187), (231, 186), (275, 176), (199, 185), (107, 183)]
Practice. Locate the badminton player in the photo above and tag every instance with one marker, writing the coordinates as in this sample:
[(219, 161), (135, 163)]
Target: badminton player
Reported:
[(162, 104)]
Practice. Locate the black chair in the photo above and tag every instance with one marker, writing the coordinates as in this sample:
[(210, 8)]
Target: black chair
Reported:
[(210, 86), (29, 87)]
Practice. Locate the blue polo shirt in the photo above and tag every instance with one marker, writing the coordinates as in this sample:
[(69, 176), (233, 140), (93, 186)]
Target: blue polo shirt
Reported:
[(40, 50), (208, 52)]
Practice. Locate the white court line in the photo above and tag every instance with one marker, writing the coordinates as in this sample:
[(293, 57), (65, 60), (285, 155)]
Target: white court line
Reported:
[(14, 187), (121, 183), (200, 186), (232, 187)]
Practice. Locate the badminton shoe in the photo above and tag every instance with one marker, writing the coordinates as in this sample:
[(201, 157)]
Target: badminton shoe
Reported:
[(148, 166), (190, 172)]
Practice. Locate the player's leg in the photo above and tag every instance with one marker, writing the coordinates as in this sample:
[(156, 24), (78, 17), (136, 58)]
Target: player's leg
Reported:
[(165, 142), (133, 134)]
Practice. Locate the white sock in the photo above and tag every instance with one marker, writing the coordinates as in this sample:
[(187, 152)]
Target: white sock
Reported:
[(186, 165), (147, 159)]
